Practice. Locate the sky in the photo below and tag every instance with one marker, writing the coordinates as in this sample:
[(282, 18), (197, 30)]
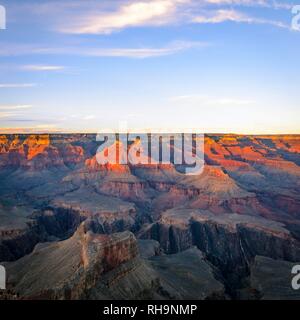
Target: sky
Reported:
[(215, 66)]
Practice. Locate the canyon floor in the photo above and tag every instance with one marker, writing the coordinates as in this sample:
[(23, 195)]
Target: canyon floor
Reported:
[(73, 229)]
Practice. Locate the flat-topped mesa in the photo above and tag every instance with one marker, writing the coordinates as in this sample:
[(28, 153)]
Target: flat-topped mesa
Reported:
[(69, 269), (37, 152), (112, 214)]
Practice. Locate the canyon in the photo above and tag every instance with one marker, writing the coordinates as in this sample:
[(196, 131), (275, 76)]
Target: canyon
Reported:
[(71, 228)]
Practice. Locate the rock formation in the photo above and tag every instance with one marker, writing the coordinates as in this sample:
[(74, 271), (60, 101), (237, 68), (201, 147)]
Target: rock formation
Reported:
[(72, 223)]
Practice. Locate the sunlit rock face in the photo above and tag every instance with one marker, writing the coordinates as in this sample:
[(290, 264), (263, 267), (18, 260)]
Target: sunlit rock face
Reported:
[(232, 220)]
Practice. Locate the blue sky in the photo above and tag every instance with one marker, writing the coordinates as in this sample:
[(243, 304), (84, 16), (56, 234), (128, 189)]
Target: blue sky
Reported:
[(212, 65)]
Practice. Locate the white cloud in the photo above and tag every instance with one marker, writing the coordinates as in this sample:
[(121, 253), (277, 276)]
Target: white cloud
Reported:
[(136, 13), (212, 101), (6, 114), (17, 85), (253, 3), (238, 2), (106, 16), (15, 107), (89, 117), (222, 15), (170, 49), (7, 111), (142, 52), (219, 16), (167, 12), (42, 68)]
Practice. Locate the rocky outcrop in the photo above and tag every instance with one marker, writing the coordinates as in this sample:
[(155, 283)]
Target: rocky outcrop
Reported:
[(15, 243), (93, 266), (37, 152), (187, 275), (229, 241), (149, 248), (270, 279), (211, 226), (59, 223), (239, 169), (113, 214), (18, 233), (70, 268)]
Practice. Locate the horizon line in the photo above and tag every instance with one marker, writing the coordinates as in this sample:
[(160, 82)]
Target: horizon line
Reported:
[(144, 132)]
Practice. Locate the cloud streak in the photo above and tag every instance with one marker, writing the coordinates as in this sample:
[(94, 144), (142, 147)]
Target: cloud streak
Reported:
[(15, 107), (8, 111), (42, 68), (211, 101), (131, 14), (17, 85), (253, 3), (219, 16), (142, 52), (170, 49), (153, 13)]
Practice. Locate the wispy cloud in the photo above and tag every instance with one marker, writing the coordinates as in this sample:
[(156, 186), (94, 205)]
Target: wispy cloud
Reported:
[(222, 15), (6, 114), (141, 52), (170, 49), (253, 3), (17, 85), (15, 107), (89, 117), (145, 13), (42, 68), (212, 101), (11, 111), (131, 14), (106, 17)]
